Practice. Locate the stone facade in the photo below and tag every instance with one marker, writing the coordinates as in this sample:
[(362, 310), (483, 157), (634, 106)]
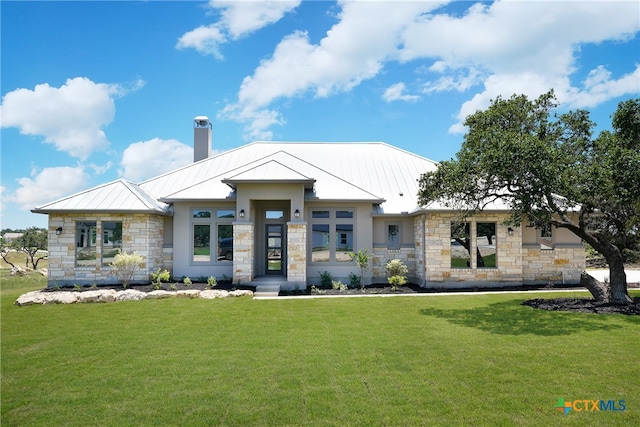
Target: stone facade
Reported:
[(141, 233), (297, 254), (563, 264), (243, 251)]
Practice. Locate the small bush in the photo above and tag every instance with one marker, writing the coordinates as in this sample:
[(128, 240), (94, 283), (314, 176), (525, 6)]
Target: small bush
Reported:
[(187, 281), (396, 273), (125, 265), (212, 282), (158, 277), (354, 280), (317, 291), (325, 279), (338, 285)]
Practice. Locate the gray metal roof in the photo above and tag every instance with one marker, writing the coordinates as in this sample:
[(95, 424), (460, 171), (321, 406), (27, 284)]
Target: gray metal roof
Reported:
[(335, 171), (115, 196)]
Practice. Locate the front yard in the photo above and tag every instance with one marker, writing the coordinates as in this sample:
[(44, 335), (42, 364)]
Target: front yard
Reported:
[(425, 360)]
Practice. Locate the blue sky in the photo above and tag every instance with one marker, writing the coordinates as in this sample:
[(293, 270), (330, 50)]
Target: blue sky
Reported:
[(96, 91)]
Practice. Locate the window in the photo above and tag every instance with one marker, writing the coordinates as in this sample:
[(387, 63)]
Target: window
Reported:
[(546, 238), (209, 225), (460, 245), (201, 242), (86, 249), (393, 236), (89, 245), (111, 240), (486, 245), (320, 250), (332, 237)]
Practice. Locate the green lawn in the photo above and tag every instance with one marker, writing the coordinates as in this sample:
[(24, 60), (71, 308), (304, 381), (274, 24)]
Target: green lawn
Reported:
[(435, 360)]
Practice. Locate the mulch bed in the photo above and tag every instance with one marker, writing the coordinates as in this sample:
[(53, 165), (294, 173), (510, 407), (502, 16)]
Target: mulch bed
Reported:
[(583, 305)]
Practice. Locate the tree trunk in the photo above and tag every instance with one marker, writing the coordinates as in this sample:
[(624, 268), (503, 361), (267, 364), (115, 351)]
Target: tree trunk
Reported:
[(618, 294), (599, 290)]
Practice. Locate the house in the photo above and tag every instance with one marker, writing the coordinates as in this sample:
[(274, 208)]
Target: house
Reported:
[(294, 211), (9, 237)]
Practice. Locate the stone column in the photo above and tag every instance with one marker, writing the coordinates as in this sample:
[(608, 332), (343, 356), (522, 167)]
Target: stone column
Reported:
[(297, 255), (243, 252)]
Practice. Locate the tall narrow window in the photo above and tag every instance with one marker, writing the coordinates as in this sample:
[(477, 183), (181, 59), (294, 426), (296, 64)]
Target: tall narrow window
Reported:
[(344, 242), (86, 243), (460, 245), (225, 242), (486, 245), (320, 249), (201, 243), (111, 240), (546, 238), (393, 236)]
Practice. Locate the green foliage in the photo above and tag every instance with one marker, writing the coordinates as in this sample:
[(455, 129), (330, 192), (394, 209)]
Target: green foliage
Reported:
[(338, 285), (212, 282), (549, 169), (354, 280), (158, 277), (125, 265), (325, 279), (361, 258), (187, 280), (317, 291), (396, 273), (32, 242)]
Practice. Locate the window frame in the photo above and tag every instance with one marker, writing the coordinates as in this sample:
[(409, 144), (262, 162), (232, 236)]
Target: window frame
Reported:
[(333, 218), (217, 217)]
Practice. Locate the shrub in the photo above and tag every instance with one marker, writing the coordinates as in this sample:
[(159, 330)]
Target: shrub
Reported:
[(325, 279), (212, 282), (187, 281), (338, 285), (396, 273), (354, 280), (361, 258), (158, 277), (125, 265)]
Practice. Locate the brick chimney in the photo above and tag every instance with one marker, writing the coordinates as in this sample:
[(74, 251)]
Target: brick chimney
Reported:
[(201, 138)]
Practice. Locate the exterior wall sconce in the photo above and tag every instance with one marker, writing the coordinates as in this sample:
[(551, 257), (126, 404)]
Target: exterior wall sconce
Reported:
[(241, 213), (297, 213), (58, 231), (510, 230)]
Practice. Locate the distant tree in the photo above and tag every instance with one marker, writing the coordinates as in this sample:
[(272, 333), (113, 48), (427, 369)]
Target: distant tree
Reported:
[(550, 171), (32, 241)]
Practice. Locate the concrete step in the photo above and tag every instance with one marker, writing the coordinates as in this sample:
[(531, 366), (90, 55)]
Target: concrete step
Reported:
[(267, 290)]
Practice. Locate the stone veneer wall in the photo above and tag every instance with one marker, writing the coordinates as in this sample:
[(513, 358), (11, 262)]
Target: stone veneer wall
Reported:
[(141, 233), (383, 255), (438, 251), (243, 252), (297, 254), (563, 264)]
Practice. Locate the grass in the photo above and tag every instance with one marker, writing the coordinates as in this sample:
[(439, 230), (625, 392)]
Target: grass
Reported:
[(439, 360)]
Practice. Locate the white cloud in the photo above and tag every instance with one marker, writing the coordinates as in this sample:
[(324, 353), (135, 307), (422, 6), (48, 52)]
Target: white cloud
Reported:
[(504, 48), (47, 185), (352, 51), (146, 159), (237, 19), (70, 117), (396, 91)]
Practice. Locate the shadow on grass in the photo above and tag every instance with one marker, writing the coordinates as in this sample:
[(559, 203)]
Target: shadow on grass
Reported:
[(512, 318)]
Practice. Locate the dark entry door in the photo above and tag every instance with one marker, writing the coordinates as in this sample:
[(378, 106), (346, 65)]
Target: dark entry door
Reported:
[(274, 250)]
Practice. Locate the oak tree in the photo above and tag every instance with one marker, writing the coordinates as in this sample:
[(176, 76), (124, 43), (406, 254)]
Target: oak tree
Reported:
[(550, 170)]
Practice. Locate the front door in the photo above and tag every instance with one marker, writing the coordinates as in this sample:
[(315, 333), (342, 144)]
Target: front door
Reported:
[(274, 261)]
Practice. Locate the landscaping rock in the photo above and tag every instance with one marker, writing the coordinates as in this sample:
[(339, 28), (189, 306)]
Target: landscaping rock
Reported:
[(158, 294), (130, 295), (34, 297), (102, 295), (241, 293), (213, 293), (188, 293), (61, 297)]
